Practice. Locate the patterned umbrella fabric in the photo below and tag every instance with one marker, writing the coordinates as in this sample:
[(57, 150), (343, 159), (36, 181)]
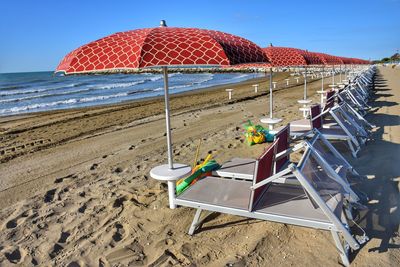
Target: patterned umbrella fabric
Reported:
[(161, 46), (311, 57), (285, 56), (329, 59)]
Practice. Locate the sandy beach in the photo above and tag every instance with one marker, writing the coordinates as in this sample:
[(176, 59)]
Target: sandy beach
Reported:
[(75, 188)]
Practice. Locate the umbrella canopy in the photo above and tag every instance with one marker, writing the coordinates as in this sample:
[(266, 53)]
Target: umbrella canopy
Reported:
[(346, 60), (329, 59), (284, 56), (161, 46), (311, 57)]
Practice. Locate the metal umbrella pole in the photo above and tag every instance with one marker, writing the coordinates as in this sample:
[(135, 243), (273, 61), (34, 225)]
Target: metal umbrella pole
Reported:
[(305, 102), (322, 92), (271, 121), (169, 172), (167, 118), (271, 101), (305, 83)]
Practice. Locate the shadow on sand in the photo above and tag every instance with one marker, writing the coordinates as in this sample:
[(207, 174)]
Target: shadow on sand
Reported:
[(379, 162)]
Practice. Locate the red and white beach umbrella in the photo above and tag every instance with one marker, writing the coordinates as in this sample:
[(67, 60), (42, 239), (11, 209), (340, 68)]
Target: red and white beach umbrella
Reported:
[(284, 56), (280, 57), (126, 52)]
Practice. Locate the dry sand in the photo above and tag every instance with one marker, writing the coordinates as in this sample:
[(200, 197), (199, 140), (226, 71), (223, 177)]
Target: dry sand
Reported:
[(75, 188)]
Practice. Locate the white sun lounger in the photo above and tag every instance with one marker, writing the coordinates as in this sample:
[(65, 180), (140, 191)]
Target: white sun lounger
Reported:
[(345, 132), (317, 202)]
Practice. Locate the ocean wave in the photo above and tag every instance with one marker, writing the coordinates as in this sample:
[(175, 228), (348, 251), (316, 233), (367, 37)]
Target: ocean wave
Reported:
[(39, 90), (116, 85), (10, 87), (59, 103)]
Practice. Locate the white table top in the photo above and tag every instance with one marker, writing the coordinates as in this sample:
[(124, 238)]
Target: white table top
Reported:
[(270, 120), (164, 173), (304, 101)]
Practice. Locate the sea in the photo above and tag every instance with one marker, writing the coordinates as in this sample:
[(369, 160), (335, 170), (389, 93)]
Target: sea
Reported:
[(42, 91)]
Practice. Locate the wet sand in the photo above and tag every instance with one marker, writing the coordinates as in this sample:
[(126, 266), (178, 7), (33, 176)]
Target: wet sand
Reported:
[(81, 194)]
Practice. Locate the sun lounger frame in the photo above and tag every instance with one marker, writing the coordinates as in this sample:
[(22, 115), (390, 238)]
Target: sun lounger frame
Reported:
[(335, 226)]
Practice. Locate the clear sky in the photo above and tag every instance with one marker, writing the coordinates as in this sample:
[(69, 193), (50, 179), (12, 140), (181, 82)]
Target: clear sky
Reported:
[(35, 35)]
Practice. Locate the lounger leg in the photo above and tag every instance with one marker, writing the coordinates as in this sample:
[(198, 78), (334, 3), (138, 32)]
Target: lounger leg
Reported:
[(353, 151), (195, 222), (343, 250)]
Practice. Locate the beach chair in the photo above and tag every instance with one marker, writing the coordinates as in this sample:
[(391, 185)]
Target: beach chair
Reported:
[(343, 96), (318, 202), (244, 168), (345, 132), (357, 117), (345, 173), (327, 121)]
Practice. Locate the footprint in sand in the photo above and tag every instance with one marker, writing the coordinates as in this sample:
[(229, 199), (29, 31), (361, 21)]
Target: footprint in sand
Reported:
[(133, 254), (56, 250), (119, 232), (15, 256), (18, 220), (118, 170), (119, 202), (63, 237), (82, 208), (49, 196), (94, 166)]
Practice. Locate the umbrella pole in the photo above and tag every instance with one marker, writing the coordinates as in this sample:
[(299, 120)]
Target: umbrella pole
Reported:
[(167, 118), (322, 85), (270, 95), (305, 84)]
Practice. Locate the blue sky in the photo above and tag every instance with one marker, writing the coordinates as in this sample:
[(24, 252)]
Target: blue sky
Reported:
[(35, 35)]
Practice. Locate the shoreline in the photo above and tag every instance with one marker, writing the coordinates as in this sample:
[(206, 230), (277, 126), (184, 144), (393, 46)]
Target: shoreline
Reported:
[(125, 102)]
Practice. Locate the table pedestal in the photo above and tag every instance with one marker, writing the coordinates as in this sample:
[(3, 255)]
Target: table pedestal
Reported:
[(164, 173)]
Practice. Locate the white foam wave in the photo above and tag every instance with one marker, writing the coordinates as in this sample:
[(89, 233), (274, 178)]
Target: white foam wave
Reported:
[(59, 103)]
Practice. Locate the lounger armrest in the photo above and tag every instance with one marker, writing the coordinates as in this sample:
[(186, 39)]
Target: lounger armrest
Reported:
[(289, 151), (271, 179), (321, 114), (302, 135)]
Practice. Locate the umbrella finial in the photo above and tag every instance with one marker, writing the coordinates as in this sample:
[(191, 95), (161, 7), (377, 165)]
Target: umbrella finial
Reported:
[(270, 45), (163, 23)]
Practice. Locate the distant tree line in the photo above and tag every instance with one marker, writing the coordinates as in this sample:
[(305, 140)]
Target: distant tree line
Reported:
[(393, 59)]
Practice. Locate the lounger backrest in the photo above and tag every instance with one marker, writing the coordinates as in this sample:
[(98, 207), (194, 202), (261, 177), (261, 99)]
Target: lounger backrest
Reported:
[(263, 170), (330, 101), (316, 120), (329, 95), (322, 181), (329, 153), (283, 144)]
